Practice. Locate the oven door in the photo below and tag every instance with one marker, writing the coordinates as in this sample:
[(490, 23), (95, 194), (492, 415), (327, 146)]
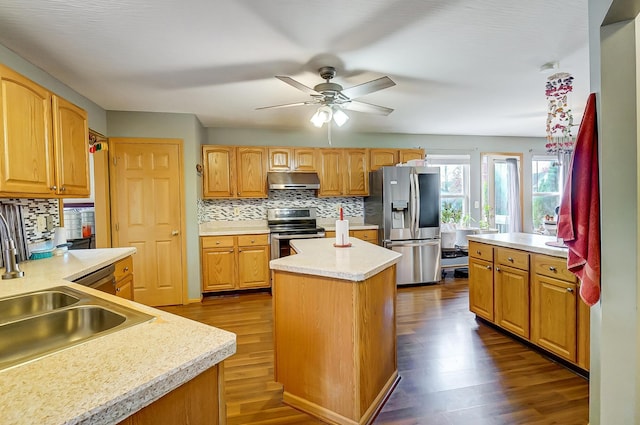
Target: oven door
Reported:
[(280, 246)]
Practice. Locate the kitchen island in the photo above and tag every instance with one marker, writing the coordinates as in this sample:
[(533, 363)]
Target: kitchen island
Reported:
[(521, 284), (334, 328), (108, 379)]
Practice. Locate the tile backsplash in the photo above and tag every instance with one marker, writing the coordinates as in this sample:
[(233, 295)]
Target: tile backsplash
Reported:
[(31, 208), (256, 209)]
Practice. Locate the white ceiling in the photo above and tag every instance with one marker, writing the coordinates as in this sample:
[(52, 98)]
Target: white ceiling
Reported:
[(461, 67)]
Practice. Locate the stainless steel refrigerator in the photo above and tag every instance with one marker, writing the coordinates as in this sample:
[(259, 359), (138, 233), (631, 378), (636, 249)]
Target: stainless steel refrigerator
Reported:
[(405, 203)]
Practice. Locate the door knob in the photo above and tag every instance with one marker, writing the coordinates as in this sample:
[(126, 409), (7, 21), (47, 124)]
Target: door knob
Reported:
[(175, 233)]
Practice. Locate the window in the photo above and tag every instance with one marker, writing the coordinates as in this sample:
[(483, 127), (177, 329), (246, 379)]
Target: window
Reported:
[(546, 187), (454, 185)]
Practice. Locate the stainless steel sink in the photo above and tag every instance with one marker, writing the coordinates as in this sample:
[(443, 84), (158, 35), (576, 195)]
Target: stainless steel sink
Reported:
[(20, 306), (68, 318)]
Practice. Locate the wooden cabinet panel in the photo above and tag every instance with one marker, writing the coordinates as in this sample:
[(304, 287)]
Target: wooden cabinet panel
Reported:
[(512, 258), (253, 267), (554, 316), (366, 235), (219, 168), (511, 290), (123, 275), (217, 241), (252, 182), (409, 154), (357, 172), (27, 165), (382, 157), (329, 173), (304, 159), (481, 251), (71, 133), (124, 268), (552, 267), (124, 287), (481, 288), (253, 240), (279, 159), (218, 269), (584, 330)]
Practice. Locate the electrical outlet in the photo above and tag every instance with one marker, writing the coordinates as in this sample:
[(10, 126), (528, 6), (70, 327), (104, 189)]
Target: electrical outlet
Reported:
[(236, 211), (49, 223), (476, 204), (41, 223)]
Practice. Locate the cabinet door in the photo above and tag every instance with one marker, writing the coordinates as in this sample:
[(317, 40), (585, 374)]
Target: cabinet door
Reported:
[(124, 287), (554, 316), (511, 289), (219, 171), (279, 159), (365, 235), (253, 267), (409, 154), (382, 157), (356, 174), (27, 162), (481, 288), (71, 135), (304, 159), (330, 177), (252, 173), (218, 269)]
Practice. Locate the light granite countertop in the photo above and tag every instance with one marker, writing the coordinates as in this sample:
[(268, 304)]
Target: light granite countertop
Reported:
[(320, 258), (104, 380), (524, 241)]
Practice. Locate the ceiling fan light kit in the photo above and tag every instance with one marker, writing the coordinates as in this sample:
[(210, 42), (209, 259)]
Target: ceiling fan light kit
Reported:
[(332, 98)]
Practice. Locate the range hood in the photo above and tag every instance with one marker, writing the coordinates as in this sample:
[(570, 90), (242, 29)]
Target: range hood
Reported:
[(278, 180)]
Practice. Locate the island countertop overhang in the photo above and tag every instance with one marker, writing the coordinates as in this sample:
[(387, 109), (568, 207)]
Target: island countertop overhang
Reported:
[(319, 257)]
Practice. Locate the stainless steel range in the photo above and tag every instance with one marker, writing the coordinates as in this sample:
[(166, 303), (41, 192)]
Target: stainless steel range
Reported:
[(291, 223)]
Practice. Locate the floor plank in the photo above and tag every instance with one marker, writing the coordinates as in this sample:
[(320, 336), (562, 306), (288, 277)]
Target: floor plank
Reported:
[(454, 369)]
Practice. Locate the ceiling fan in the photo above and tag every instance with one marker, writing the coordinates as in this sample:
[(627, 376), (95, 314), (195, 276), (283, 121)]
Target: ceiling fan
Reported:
[(332, 98)]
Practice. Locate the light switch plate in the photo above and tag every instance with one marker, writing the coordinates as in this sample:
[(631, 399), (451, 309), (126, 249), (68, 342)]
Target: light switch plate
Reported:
[(41, 223)]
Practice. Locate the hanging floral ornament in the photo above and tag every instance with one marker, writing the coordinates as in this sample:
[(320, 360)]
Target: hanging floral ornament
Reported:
[(559, 118)]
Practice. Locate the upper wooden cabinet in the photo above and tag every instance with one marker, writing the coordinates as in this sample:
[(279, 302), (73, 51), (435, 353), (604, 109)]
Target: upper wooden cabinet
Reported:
[(291, 159), (343, 172), (43, 139), (380, 157), (234, 172)]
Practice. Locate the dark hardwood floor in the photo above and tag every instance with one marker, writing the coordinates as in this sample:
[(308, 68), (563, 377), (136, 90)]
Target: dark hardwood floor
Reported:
[(454, 369)]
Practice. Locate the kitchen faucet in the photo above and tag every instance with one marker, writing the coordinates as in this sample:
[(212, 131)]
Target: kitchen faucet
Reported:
[(9, 254)]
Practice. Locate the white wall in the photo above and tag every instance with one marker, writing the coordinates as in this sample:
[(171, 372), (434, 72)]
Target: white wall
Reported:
[(615, 352)]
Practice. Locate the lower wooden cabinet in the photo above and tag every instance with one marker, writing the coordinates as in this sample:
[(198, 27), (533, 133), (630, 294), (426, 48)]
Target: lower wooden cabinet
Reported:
[(368, 235), (234, 262), (531, 295), (199, 401), (124, 278)]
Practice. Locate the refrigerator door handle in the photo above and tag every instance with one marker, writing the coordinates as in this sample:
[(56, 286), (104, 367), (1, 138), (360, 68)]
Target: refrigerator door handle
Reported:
[(417, 216), (421, 242), (413, 210)]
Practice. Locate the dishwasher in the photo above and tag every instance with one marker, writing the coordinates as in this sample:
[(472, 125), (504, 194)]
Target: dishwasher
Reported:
[(102, 279)]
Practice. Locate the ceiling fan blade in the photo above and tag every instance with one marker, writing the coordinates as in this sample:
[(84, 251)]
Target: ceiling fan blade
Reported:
[(297, 85), (368, 108), (368, 87), (287, 105)]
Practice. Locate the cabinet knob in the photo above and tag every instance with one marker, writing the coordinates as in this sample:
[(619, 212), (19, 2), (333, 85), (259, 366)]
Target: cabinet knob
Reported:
[(231, 250), (497, 269), (126, 269), (552, 269), (54, 187), (478, 252), (488, 267), (570, 290), (510, 259), (217, 242), (253, 241), (117, 289), (62, 189)]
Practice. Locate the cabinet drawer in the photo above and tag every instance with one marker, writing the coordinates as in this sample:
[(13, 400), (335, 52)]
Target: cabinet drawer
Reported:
[(251, 240), (217, 241), (365, 235), (480, 250), (512, 258), (124, 267), (552, 267)]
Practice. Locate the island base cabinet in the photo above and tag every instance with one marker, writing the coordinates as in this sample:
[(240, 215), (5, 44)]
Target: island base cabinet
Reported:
[(335, 344), (512, 300), (199, 401)]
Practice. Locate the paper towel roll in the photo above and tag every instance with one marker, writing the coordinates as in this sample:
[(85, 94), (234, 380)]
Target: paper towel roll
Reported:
[(342, 232), (59, 236)]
